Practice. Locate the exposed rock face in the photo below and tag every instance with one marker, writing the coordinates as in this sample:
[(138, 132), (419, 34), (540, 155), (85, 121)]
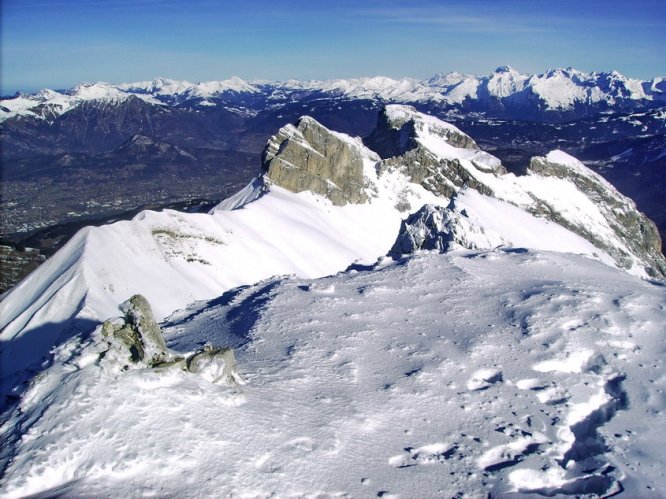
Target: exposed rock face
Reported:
[(441, 228), (398, 128), (138, 332), (402, 138), (309, 157), (443, 160), (637, 232), (424, 230), (443, 177)]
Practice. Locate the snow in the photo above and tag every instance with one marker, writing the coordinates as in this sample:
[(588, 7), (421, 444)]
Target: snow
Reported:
[(505, 82), (516, 228), (357, 384), (59, 103), (524, 362), (175, 258), (97, 91), (426, 124), (561, 158), (528, 190), (559, 89)]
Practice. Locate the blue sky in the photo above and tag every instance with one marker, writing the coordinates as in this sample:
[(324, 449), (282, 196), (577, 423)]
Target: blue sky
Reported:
[(59, 43)]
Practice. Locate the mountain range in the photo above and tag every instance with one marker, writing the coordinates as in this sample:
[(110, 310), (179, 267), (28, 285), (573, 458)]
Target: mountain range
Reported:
[(555, 95), (101, 150), (398, 314)]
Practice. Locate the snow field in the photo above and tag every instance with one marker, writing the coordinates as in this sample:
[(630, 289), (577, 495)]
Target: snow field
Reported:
[(420, 378)]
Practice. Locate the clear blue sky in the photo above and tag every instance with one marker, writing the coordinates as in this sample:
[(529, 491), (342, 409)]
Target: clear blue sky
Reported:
[(58, 43)]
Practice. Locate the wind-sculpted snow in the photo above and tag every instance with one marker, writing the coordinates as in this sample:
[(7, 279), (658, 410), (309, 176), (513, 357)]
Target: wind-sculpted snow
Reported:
[(175, 258), (468, 373)]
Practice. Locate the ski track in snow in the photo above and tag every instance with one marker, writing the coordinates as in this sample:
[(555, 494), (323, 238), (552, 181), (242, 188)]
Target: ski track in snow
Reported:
[(441, 375)]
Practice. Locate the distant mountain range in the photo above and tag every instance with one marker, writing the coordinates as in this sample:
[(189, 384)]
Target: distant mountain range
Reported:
[(555, 95)]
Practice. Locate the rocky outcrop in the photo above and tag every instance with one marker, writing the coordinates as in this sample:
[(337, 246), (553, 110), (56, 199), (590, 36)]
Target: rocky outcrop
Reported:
[(309, 157), (136, 340), (637, 233), (398, 128), (441, 229), (443, 177), (443, 160), (403, 138), (138, 333)]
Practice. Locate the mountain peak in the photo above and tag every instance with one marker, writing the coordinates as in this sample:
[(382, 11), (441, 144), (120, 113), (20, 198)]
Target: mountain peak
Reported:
[(309, 157), (505, 69), (555, 95), (401, 127)]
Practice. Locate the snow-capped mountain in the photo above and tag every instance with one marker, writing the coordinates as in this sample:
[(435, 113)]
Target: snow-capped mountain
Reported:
[(325, 193), (556, 94), (507, 326)]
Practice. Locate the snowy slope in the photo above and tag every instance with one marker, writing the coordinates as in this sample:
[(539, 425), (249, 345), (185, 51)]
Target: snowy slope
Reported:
[(557, 187), (48, 104), (468, 373), (166, 89), (175, 258)]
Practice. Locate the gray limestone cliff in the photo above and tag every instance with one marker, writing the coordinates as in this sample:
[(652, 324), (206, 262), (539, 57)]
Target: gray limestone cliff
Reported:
[(309, 157)]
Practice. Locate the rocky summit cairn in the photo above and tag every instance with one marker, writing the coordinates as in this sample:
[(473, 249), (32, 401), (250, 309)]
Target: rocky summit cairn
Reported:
[(309, 157)]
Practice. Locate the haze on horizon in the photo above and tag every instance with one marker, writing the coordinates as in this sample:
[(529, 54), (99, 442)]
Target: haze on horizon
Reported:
[(59, 43)]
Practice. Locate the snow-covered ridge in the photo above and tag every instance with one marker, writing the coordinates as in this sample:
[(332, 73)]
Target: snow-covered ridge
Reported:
[(175, 258), (48, 104), (165, 87), (555, 90)]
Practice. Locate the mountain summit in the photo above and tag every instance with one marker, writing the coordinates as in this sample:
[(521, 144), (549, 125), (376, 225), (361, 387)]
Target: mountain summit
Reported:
[(325, 193), (507, 328)]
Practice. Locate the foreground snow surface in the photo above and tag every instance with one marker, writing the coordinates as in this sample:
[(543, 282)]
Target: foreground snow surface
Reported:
[(445, 374)]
